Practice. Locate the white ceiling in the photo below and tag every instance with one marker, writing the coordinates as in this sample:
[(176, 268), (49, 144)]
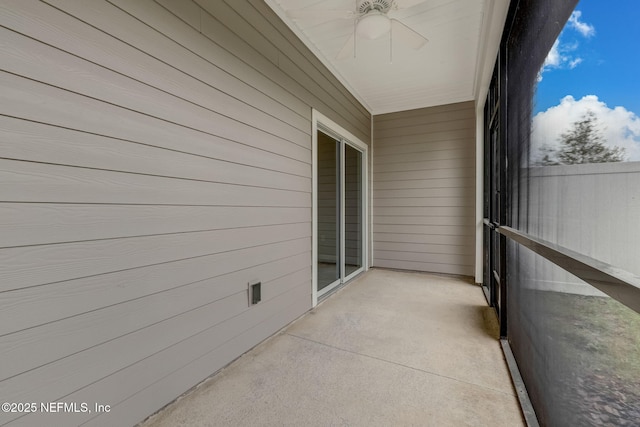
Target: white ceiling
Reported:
[(454, 66)]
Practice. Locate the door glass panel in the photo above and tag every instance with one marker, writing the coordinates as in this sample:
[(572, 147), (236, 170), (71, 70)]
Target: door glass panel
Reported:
[(353, 210), (328, 211)]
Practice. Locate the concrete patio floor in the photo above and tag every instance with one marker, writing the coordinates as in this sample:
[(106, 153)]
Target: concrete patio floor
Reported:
[(389, 349)]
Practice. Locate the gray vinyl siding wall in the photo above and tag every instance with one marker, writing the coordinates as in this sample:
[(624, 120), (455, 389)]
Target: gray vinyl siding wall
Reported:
[(155, 158), (424, 189)]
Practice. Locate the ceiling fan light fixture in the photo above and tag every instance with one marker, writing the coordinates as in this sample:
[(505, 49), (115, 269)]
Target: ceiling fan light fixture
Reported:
[(373, 25)]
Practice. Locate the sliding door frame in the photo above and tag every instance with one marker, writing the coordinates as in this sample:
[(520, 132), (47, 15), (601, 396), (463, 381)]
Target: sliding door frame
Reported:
[(322, 123)]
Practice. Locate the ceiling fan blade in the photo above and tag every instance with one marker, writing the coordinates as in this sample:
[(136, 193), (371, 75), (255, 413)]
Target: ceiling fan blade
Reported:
[(406, 35), (348, 49), (320, 14), (406, 4)]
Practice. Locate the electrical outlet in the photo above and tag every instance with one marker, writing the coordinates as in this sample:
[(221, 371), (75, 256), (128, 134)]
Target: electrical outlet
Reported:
[(255, 292)]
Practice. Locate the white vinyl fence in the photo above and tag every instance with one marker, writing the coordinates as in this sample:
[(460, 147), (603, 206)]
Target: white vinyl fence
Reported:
[(593, 209)]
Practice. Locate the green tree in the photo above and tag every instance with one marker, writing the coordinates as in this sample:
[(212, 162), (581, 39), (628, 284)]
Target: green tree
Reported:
[(583, 143)]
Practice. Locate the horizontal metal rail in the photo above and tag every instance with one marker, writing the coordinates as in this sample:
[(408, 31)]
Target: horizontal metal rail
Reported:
[(619, 284)]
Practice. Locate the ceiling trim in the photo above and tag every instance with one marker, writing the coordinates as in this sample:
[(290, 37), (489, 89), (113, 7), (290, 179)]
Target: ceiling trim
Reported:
[(493, 22)]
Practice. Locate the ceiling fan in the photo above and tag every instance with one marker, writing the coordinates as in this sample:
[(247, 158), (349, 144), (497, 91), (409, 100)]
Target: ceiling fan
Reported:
[(371, 20)]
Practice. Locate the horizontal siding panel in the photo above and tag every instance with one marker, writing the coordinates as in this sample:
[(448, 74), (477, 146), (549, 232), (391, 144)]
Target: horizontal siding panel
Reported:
[(200, 110), (422, 175), (34, 306), (428, 128), (36, 182), (266, 79), (386, 211), (424, 192), (257, 30), (424, 120), (422, 128), (421, 165), (301, 68), (173, 371), (48, 144), (67, 375), (361, 130), (436, 258), (463, 270), (425, 156), (26, 224), (64, 376), (38, 346), (31, 100), (428, 145), (261, 43), (426, 220), (189, 11), (215, 30), (28, 140), (460, 202), (145, 56), (222, 36), (426, 137), (445, 230), (424, 183), (37, 265), (436, 239), (287, 41), (426, 248), (389, 119)]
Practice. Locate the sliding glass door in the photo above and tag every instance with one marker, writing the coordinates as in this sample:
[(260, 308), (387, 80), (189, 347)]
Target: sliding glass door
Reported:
[(340, 211), (353, 196), (328, 250)]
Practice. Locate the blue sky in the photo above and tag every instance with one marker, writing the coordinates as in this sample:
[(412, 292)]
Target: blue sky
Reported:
[(593, 66), (609, 58)]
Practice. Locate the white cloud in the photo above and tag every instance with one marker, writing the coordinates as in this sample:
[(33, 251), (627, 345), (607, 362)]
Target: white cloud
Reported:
[(620, 127), (587, 30), (562, 55), (553, 59), (574, 63)]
